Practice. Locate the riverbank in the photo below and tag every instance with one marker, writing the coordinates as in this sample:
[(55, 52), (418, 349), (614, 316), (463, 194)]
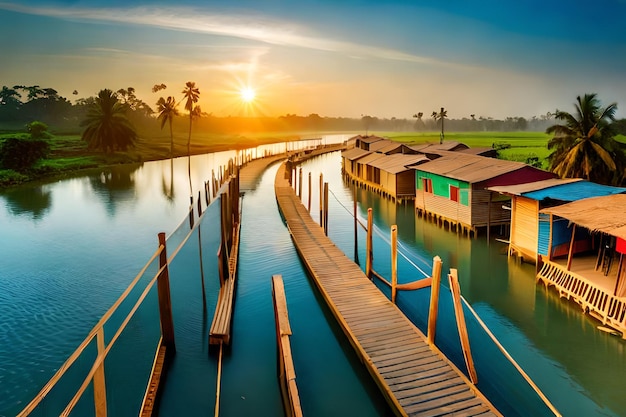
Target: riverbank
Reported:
[(69, 154)]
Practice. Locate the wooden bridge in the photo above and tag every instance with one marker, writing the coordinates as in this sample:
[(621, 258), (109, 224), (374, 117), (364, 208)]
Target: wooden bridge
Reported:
[(413, 375)]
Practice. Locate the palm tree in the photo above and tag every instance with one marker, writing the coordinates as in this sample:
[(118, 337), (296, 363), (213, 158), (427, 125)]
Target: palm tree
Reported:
[(584, 145), (191, 93), (106, 124), (167, 110), (440, 116)]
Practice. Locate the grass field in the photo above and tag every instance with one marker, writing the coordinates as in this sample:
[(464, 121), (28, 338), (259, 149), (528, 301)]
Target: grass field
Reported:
[(513, 146)]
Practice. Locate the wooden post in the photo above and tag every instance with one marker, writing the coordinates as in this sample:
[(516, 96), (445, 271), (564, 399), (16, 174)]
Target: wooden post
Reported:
[(165, 302), (368, 244), (600, 252), (356, 223), (199, 204), (394, 262), (550, 238), (191, 220), (571, 247), (310, 192), (460, 323), (433, 310), (326, 208), (99, 386), (300, 183), (619, 274), (489, 218), (322, 200)]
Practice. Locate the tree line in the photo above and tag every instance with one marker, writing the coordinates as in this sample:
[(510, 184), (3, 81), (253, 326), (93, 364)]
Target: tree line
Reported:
[(583, 142)]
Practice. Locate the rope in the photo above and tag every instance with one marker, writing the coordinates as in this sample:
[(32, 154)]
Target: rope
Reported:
[(510, 358), (219, 382)]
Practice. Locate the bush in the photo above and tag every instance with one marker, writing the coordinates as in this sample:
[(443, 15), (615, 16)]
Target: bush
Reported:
[(20, 154), (38, 130)]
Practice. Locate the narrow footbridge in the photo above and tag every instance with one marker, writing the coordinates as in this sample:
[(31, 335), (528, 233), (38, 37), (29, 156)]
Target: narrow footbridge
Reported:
[(413, 375)]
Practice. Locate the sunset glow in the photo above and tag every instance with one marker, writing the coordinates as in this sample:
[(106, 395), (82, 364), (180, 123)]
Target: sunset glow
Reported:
[(388, 59)]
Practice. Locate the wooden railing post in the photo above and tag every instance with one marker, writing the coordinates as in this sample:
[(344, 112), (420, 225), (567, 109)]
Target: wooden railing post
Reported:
[(326, 208), (310, 192), (460, 322), (368, 244), (322, 200), (99, 385), (165, 302), (394, 262), (356, 224), (433, 310), (300, 183)]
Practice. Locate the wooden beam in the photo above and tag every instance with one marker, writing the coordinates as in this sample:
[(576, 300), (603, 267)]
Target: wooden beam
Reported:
[(394, 262), (434, 299), (460, 322), (571, 247)]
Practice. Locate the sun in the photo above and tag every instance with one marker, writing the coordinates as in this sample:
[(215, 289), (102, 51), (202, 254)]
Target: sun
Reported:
[(247, 94)]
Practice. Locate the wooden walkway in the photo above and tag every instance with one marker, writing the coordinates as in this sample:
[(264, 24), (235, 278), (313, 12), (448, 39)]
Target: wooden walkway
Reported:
[(250, 174), (415, 377)]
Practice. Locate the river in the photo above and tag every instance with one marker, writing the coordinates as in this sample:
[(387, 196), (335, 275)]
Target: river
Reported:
[(71, 247)]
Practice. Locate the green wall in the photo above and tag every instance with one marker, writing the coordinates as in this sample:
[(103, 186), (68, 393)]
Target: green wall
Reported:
[(441, 186)]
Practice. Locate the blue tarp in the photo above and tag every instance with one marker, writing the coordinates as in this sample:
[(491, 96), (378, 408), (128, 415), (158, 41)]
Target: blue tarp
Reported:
[(574, 191)]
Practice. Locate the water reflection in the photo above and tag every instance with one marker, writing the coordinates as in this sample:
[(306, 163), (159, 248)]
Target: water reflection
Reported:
[(115, 185), (29, 201), (168, 188)]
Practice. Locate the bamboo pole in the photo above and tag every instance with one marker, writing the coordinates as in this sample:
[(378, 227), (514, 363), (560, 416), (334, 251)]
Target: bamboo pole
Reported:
[(433, 310), (571, 247), (460, 322), (394, 262), (165, 302), (368, 244)]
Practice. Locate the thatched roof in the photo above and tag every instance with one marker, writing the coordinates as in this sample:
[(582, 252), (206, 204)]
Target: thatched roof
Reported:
[(598, 214)]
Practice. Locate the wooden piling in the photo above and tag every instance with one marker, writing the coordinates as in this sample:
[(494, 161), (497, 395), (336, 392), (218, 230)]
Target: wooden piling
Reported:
[(322, 200), (300, 183), (433, 310), (368, 244), (326, 208), (394, 262), (310, 192), (460, 322), (165, 301), (356, 225)]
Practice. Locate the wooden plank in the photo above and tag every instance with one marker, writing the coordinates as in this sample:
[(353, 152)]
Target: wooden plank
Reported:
[(150, 396)]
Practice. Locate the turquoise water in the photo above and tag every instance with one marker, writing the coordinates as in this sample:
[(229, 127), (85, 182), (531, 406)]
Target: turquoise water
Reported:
[(71, 247)]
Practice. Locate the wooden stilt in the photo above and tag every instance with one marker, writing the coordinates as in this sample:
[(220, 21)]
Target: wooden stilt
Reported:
[(326, 208), (310, 193), (571, 247)]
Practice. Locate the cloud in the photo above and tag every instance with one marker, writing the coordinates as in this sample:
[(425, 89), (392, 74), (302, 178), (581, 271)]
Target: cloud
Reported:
[(251, 27)]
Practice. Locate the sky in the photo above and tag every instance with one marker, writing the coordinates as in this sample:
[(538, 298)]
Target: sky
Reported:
[(491, 58)]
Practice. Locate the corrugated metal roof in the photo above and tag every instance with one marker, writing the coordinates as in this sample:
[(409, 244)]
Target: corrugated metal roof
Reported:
[(599, 214), (574, 191), (519, 189), (378, 145), (354, 153), (469, 168), (390, 147), (369, 139), (397, 163), (368, 159)]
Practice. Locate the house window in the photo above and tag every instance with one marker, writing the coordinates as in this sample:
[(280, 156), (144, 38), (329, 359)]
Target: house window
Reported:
[(454, 193), (427, 185)]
